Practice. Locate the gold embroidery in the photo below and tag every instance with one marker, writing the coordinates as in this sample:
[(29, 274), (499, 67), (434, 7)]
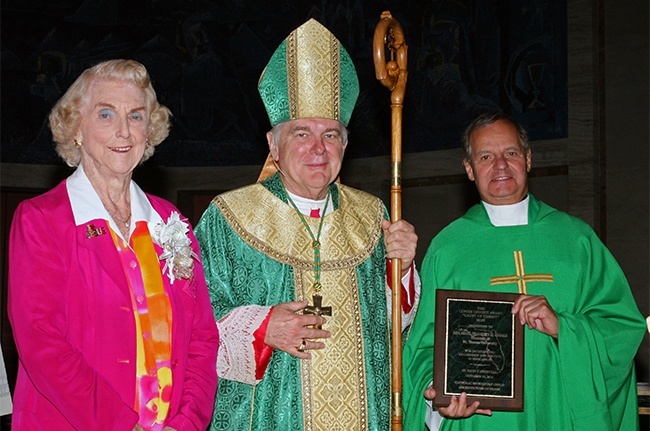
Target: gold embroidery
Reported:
[(521, 278), (334, 381), (336, 85), (313, 64), (349, 235), (292, 75)]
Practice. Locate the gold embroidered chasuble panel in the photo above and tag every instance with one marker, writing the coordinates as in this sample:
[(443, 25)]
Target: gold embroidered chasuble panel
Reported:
[(334, 380)]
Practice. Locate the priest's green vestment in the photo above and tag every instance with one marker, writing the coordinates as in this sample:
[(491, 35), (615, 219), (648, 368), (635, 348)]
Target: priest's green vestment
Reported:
[(256, 251), (584, 379)]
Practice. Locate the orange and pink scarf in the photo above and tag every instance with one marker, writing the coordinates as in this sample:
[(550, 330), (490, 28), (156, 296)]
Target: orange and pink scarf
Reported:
[(153, 322)]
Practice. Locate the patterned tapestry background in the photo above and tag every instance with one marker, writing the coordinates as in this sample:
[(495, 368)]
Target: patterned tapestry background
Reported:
[(205, 58)]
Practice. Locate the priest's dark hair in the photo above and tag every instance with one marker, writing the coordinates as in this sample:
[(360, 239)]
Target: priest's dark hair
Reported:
[(485, 119)]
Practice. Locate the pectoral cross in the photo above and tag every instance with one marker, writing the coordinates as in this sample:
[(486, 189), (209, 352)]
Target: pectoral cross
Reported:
[(521, 278), (317, 309)]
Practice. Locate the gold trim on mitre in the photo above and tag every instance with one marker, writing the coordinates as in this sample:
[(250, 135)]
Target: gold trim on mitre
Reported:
[(313, 72)]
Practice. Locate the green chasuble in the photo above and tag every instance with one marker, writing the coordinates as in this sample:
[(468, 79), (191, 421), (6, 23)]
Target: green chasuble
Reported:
[(584, 379), (256, 251)]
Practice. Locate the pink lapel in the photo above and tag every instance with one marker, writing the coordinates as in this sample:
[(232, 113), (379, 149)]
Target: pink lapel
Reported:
[(95, 239)]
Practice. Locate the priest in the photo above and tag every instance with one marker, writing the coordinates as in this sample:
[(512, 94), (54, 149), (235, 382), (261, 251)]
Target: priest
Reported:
[(584, 325), (296, 263)]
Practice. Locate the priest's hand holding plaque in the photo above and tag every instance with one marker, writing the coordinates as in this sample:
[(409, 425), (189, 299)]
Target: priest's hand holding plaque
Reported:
[(478, 352)]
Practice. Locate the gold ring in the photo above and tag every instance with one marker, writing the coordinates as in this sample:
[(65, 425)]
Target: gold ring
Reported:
[(302, 346)]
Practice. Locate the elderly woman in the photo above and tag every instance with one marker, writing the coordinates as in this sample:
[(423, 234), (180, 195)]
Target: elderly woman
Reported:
[(107, 297)]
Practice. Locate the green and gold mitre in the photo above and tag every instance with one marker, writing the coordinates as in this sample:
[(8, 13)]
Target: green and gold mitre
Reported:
[(310, 75)]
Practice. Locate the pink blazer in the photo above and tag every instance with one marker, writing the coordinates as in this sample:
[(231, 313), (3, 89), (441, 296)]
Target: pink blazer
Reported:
[(70, 310)]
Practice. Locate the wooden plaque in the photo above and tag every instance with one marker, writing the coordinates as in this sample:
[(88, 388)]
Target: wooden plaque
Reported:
[(478, 349)]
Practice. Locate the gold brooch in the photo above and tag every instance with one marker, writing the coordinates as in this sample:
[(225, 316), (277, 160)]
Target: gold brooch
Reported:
[(92, 231)]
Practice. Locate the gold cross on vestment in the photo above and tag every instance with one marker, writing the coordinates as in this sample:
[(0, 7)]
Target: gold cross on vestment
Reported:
[(317, 309), (521, 278)]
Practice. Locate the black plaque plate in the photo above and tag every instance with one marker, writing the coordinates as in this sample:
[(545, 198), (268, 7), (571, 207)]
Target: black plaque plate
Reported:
[(478, 349)]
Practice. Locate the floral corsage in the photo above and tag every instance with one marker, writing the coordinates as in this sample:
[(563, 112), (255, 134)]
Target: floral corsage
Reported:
[(177, 251)]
